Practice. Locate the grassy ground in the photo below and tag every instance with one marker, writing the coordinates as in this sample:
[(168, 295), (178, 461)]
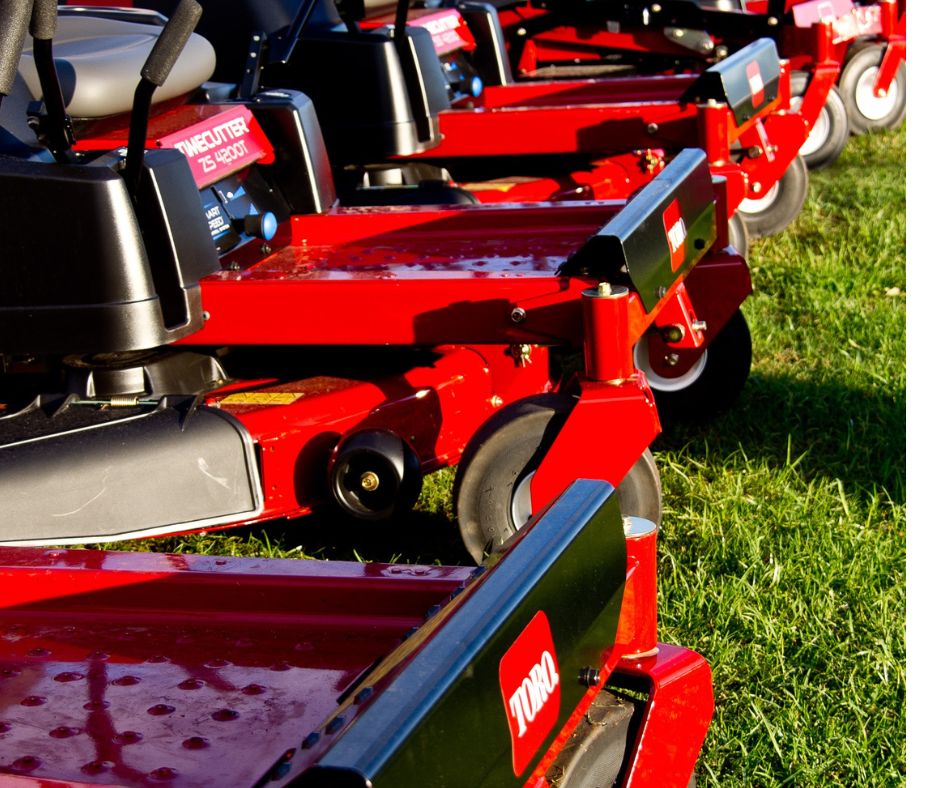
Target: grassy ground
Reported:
[(782, 550)]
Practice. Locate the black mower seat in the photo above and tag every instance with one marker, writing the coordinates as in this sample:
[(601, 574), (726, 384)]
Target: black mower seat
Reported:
[(99, 62)]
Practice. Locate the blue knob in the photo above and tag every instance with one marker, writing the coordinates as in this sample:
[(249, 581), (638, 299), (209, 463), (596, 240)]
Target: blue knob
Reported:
[(476, 86)]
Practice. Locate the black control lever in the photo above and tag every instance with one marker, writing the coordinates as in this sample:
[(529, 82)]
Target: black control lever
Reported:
[(14, 22), (55, 130), (159, 63)]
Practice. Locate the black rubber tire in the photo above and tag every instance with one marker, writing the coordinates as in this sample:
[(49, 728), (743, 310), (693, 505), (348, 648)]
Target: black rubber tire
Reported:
[(857, 69), (738, 235), (833, 122), (791, 191), (726, 370), (593, 756), (506, 450)]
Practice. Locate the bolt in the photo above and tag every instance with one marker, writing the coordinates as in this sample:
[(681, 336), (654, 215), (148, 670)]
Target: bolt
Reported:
[(882, 92), (604, 290), (661, 291), (712, 103), (652, 128), (721, 52), (496, 401), (755, 187), (699, 325), (589, 677), (206, 316), (369, 481), (708, 45), (522, 32), (672, 359), (679, 33), (517, 315), (674, 333), (772, 21), (656, 8)]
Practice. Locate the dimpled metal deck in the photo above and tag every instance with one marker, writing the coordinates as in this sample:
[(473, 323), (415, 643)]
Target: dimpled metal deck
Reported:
[(187, 670)]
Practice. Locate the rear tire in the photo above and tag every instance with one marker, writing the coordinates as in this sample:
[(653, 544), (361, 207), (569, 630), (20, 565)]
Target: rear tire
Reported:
[(773, 212), (866, 112), (491, 487)]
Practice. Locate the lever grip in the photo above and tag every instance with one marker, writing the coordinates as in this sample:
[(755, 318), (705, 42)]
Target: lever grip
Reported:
[(43, 21), (170, 44), (14, 22)]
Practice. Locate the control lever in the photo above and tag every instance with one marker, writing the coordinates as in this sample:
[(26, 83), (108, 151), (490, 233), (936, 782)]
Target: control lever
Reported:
[(160, 62), (55, 129)]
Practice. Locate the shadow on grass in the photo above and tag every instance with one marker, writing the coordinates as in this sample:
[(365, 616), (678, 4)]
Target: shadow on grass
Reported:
[(825, 428)]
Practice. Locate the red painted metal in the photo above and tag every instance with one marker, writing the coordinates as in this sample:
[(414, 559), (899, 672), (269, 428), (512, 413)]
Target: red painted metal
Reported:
[(605, 311), (680, 704), (145, 669)]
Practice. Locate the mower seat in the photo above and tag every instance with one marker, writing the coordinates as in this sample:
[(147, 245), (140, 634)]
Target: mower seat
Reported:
[(99, 62)]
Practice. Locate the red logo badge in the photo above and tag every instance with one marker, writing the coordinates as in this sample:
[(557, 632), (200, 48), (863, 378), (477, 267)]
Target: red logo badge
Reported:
[(756, 83), (531, 688), (676, 234)]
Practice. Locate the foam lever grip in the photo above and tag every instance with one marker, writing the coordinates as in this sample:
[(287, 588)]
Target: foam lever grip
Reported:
[(42, 23), (170, 44), (14, 22)]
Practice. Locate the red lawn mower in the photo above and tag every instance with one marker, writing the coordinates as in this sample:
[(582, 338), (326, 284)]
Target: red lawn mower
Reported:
[(409, 88), (213, 342), (867, 44)]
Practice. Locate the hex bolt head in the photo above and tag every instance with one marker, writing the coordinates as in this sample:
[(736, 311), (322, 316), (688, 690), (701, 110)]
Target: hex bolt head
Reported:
[(517, 315), (589, 677), (672, 359), (755, 187), (369, 481)]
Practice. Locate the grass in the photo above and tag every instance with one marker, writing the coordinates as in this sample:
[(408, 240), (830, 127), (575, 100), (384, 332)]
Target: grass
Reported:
[(783, 541)]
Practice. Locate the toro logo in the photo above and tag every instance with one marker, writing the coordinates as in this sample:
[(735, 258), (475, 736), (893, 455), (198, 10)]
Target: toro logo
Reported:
[(676, 234), (528, 678), (756, 83)]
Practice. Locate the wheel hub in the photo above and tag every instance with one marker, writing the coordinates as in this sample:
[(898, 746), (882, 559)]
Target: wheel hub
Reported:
[(760, 204), (871, 106)]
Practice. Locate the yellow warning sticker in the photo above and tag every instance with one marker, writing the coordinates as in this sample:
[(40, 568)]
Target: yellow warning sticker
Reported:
[(262, 398)]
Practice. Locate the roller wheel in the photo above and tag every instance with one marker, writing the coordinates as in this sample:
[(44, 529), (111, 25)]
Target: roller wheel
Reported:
[(707, 387), (737, 234), (593, 757), (866, 111), (830, 133), (782, 203), (495, 474)]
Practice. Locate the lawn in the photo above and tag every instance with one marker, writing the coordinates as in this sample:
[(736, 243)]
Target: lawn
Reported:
[(783, 540)]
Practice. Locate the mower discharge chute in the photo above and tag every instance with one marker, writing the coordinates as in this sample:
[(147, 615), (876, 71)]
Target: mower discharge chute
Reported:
[(230, 347)]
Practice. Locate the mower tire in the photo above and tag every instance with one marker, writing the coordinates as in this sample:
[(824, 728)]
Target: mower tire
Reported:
[(772, 213), (711, 385), (738, 235), (493, 478), (867, 112), (594, 755), (830, 133)]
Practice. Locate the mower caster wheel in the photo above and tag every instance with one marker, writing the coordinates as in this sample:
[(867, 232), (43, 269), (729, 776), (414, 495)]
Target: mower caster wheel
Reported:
[(492, 486), (830, 133), (738, 235), (866, 111), (782, 203), (593, 757), (707, 387)]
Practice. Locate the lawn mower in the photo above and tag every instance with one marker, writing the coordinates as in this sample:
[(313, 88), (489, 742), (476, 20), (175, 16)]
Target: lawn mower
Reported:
[(868, 47), (541, 669), (214, 343), (417, 95)]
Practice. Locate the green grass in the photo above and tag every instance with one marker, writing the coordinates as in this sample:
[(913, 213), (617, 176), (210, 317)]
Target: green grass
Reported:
[(782, 549)]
